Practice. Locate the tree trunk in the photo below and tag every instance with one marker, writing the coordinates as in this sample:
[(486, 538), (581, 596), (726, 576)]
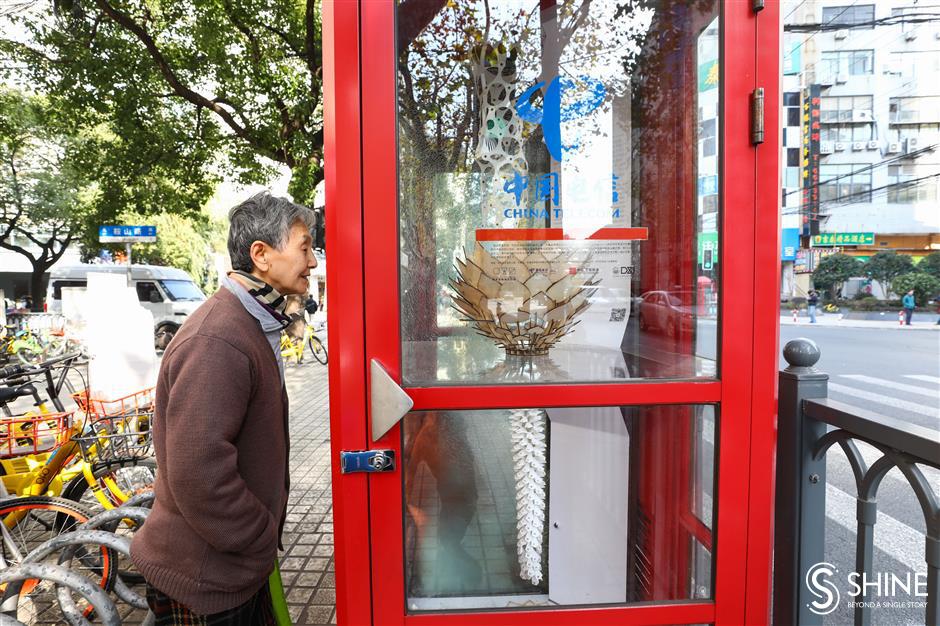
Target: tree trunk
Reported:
[(36, 288)]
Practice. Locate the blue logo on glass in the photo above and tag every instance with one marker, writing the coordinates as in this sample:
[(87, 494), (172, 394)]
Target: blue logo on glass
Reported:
[(553, 113)]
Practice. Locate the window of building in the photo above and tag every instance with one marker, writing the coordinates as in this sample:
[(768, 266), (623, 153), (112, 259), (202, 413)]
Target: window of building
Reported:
[(845, 183), (914, 63), (847, 63), (914, 110), (707, 137), (791, 99), (851, 16), (847, 132), (902, 12), (910, 183), (835, 109), (928, 134), (793, 156), (792, 177)]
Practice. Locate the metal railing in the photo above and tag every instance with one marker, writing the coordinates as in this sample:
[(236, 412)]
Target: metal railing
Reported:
[(808, 425)]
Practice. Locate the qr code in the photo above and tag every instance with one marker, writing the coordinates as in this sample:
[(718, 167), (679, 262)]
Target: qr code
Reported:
[(618, 315)]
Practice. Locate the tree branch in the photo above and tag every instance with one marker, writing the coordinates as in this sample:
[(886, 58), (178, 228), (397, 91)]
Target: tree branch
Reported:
[(185, 92)]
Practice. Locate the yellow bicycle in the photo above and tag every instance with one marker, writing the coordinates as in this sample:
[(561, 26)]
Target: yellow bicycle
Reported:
[(37, 448), (293, 349)]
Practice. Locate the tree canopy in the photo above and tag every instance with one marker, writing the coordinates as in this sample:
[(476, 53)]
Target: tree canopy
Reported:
[(834, 270), (885, 266), (179, 84), (43, 196)]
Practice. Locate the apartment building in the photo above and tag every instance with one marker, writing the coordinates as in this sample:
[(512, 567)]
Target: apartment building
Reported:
[(861, 132)]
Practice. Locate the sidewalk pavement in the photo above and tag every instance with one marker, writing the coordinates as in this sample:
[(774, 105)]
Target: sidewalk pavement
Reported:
[(836, 319)]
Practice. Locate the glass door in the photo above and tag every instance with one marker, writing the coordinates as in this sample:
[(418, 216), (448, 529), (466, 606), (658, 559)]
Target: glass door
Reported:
[(554, 256)]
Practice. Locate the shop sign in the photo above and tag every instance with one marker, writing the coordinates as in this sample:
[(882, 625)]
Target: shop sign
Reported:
[(809, 160), (844, 239), (789, 243)]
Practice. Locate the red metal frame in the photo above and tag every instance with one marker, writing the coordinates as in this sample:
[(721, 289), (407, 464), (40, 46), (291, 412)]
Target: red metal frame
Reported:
[(342, 143), (766, 323), (362, 226)]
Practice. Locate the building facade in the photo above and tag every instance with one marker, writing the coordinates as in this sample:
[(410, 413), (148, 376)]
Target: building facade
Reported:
[(861, 135)]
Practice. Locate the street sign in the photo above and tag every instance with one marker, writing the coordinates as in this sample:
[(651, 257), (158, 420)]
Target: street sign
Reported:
[(844, 239), (127, 234)]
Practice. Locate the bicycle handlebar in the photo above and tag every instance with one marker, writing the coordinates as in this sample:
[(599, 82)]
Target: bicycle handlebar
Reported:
[(22, 369)]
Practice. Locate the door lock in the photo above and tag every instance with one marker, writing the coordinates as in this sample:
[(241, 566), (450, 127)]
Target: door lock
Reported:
[(367, 461)]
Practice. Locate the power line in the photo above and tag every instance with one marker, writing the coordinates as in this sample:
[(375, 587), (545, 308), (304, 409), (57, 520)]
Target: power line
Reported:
[(904, 18), (869, 167), (914, 182)]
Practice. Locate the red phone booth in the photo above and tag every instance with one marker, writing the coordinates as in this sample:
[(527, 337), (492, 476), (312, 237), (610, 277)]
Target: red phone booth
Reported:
[(553, 242)]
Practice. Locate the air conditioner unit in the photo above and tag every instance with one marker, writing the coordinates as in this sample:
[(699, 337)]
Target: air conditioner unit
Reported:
[(911, 144), (862, 115), (838, 146), (894, 147), (858, 145), (841, 79), (873, 145), (825, 147), (842, 34), (910, 35)]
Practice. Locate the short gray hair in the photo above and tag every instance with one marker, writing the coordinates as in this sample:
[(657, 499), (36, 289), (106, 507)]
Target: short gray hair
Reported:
[(266, 218)]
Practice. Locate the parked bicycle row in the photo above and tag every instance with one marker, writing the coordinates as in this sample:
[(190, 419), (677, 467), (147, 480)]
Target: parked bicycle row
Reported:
[(60, 467), (36, 337)]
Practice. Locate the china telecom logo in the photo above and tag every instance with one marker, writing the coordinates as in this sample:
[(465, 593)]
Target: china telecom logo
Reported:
[(553, 112), (824, 590)]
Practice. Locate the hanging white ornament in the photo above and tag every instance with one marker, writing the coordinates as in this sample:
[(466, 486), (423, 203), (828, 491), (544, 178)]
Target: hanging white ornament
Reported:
[(527, 428)]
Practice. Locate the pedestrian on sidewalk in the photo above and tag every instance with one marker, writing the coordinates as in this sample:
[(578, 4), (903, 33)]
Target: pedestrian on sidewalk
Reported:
[(908, 303), (811, 303), (220, 431)]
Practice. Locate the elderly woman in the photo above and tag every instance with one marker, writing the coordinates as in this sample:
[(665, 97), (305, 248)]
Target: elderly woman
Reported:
[(221, 431)]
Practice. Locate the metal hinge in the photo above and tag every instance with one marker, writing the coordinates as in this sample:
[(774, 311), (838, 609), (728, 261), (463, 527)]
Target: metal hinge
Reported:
[(757, 5), (757, 116), (367, 461)]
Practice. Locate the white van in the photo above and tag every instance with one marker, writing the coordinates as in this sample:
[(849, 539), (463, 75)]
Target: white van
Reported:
[(167, 292)]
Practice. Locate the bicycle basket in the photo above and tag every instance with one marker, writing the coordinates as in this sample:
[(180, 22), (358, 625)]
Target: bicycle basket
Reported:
[(22, 435), (133, 404), (116, 437)]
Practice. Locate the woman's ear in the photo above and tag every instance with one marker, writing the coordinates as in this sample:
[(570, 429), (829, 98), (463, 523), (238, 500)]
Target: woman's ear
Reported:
[(259, 252)]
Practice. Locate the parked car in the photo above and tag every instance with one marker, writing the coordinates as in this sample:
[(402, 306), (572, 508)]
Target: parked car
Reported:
[(167, 292), (667, 311)]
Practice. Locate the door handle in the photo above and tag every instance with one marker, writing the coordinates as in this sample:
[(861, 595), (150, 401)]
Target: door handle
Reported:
[(388, 402)]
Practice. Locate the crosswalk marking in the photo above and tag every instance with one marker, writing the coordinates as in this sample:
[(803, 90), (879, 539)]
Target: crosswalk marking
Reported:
[(930, 393), (878, 398), (927, 379)]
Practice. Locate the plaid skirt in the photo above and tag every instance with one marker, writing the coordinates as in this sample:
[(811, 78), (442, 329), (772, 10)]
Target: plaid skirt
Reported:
[(257, 611)]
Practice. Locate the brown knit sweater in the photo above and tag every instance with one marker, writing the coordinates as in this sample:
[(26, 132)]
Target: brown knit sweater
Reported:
[(221, 438)]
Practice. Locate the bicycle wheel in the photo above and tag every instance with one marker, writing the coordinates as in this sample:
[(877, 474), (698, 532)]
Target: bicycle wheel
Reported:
[(318, 349), (33, 520), (117, 482), (29, 355)]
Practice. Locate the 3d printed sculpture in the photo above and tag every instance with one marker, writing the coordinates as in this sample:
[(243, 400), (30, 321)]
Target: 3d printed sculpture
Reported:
[(529, 461), (524, 304)]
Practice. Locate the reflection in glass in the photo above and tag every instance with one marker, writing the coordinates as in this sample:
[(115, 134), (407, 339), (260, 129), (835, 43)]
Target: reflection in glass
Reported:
[(562, 506), (559, 188)]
